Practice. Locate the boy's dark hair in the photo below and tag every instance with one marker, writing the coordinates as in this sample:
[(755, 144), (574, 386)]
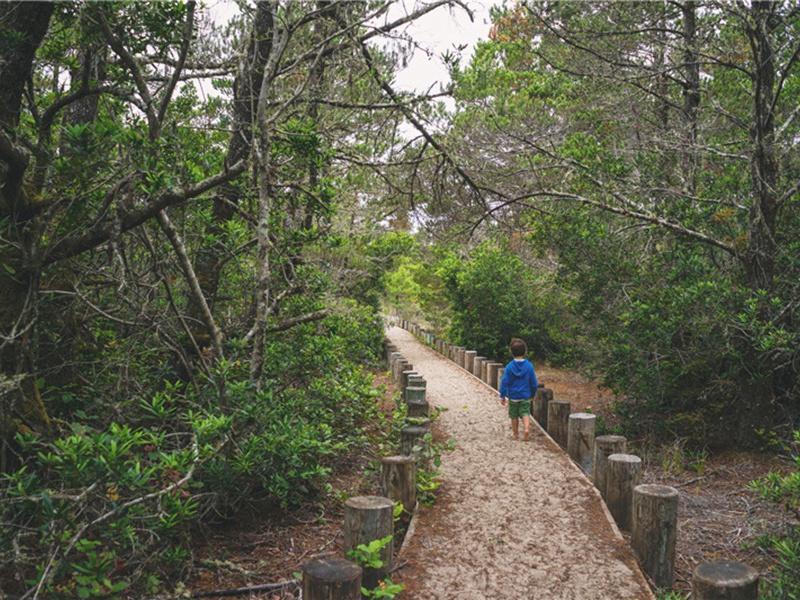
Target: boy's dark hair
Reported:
[(518, 348)]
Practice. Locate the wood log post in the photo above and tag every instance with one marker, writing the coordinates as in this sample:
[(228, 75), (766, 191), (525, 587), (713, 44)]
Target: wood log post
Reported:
[(540, 401), (469, 360), (558, 421), (366, 519), (392, 358), (459, 357), (623, 474), (485, 369), (402, 366), (448, 350), (399, 480), (412, 436), (724, 580), (414, 393), (580, 439), (654, 530), (417, 409), (491, 374), (331, 578), (405, 376), (605, 446), (500, 372), (477, 366), (416, 380), (390, 349)]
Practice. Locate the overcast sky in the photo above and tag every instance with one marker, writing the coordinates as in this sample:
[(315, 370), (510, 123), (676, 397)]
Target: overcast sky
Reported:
[(440, 31)]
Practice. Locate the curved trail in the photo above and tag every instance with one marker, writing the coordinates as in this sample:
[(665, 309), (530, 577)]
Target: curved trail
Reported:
[(513, 519)]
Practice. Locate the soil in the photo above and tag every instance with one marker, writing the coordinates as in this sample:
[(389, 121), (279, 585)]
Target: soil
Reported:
[(511, 518)]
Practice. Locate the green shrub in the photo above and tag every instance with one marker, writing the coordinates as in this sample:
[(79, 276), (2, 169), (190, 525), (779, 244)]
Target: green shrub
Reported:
[(784, 490)]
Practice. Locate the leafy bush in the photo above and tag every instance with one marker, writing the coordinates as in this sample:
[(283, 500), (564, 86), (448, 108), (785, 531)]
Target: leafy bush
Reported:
[(495, 296), (107, 507), (785, 490)]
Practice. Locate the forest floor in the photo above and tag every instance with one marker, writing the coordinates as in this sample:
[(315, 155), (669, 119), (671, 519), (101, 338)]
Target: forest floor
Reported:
[(467, 557)]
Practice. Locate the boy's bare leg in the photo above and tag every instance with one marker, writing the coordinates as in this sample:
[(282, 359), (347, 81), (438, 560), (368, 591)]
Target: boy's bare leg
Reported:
[(526, 427), (515, 427)]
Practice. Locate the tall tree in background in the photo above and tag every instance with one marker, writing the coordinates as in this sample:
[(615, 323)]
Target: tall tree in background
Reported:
[(108, 160), (649, 146)]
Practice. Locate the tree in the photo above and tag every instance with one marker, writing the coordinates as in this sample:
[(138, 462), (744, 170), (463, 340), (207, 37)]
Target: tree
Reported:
[(630, 121)]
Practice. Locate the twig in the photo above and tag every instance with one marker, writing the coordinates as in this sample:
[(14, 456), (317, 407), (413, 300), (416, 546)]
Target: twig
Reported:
[(264, 587)]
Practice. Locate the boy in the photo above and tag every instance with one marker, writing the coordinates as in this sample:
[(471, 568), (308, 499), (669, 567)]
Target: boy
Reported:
[(519, 386)]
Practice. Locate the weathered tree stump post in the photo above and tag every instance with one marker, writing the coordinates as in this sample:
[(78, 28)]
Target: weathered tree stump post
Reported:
[(540, 401), (417, 381), (654, 530), (459, 356), (331, 578), (500, 372), (469, 360), (448, 350), (390, 349), (399, 480), (411, 436), (580, 439), (406, 377), (417, 409), (414, 393), (393, 357), (724, 580), (623, 474), (402, 365), (605, 446), (491, 374), (558, 421), (366, 519), (477, 367)]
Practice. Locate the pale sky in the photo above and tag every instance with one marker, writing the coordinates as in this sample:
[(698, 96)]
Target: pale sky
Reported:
[(439, 31)]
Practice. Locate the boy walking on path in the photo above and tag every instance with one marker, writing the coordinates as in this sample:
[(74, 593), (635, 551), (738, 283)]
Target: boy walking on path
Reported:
[(519, 385)]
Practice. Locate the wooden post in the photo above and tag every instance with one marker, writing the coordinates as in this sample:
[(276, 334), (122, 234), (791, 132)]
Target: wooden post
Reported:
[(331, 578), (491, 373), (469, 360), (406, 376), (580, 439), (558, 421), (605, 446), (366, 519), (414, 393), (416, 381), (459, 356), (655, 530), (399, 480), (410, 436), (417, 409), (724, 580), (485, 369), (477, 366), (623, 474), (402, 365), (540, 400), (390, 349), (500, 372)]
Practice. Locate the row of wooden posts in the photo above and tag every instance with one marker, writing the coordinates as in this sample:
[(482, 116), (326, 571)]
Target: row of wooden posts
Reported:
[(370, 518), (648, 512)]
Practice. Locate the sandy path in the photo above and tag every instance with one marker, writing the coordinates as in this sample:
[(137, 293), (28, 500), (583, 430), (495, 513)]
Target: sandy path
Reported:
[(514, 519)]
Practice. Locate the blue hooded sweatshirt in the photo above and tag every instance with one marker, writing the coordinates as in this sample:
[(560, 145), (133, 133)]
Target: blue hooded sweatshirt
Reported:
[(519, 380)]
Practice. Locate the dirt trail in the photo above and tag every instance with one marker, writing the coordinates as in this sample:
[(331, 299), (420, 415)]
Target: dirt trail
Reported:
[(514, 519)]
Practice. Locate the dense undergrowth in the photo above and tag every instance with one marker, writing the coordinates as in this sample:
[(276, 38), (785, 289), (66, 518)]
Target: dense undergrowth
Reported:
[(105, 506)]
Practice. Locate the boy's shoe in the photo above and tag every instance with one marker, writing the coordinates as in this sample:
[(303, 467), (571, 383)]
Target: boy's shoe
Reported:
[(526, 437)]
